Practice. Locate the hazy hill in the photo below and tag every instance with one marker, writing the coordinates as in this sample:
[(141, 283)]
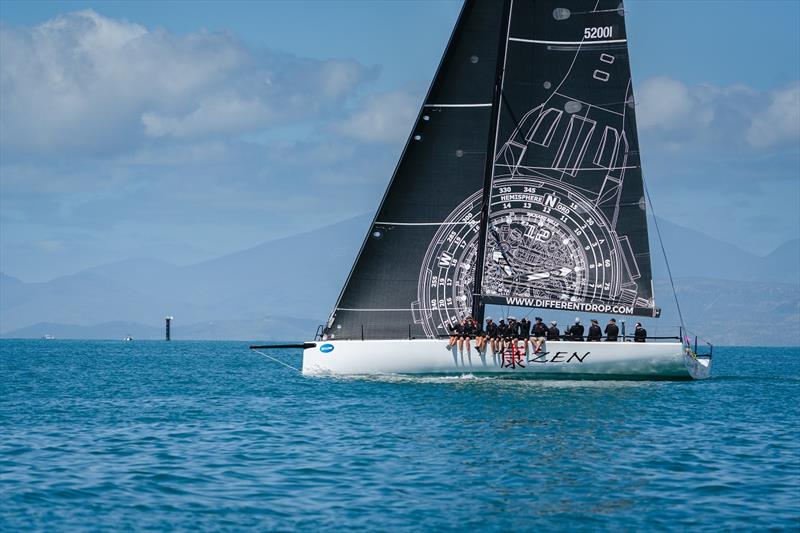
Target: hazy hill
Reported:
[(694, 254), (248, 294), (299, 276)]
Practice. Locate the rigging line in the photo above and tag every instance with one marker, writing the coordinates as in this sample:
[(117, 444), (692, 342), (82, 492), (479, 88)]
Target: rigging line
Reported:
[(278, 361), (663, 252)]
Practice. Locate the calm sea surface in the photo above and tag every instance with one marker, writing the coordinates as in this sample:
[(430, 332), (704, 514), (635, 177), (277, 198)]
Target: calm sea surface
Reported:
[(206, 435)]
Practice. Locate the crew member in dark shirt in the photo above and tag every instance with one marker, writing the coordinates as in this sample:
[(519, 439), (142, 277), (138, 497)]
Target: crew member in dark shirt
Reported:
[(576, 331), (553, 333), (502, 331), (639, 334), (612, 330), (513, 332), (467, 332), (455, 334), (491, 334), (594, 332), (480, 337), (538, 334), (524, 333)]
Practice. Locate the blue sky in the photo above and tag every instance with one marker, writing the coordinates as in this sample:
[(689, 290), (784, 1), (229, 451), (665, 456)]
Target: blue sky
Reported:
[(187, 130)]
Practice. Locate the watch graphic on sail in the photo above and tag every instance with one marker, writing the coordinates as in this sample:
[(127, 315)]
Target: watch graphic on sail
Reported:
[(554, 239)]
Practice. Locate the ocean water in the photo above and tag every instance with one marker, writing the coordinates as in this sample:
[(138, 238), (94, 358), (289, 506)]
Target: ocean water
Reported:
[(156, 436)]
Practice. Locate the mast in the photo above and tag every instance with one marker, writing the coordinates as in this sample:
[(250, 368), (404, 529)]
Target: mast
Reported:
[(477, 298)]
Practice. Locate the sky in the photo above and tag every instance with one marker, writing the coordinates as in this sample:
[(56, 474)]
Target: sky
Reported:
[(183, 131)]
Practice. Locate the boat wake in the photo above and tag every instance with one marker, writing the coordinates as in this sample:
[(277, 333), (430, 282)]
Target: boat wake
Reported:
[(505, 379)]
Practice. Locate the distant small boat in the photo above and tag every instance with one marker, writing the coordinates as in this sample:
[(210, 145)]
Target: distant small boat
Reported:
[(48, 337), (127, 338)]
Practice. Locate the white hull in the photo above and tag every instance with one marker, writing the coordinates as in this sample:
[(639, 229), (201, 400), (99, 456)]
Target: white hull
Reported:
[(596, 360)]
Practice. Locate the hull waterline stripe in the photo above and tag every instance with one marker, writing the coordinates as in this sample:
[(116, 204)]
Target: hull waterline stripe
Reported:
[(536, 41)]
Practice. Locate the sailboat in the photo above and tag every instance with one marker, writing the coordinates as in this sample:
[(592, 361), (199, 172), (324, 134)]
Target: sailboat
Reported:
[(520, 185)]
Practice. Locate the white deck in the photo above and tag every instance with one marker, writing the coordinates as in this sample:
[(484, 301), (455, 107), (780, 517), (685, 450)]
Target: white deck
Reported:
[(596, 360)]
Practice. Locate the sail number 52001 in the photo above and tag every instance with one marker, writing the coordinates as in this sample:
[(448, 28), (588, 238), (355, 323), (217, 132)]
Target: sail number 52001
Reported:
[(599, 32)]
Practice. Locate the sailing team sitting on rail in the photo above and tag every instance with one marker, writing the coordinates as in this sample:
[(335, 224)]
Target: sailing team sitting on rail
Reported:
[(517, 335)]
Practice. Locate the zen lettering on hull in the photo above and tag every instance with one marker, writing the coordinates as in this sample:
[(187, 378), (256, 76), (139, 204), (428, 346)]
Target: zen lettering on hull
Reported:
[(516, 359), (558, 357)]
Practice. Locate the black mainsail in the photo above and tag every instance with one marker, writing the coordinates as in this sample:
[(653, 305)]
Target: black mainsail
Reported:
[(551, 214)]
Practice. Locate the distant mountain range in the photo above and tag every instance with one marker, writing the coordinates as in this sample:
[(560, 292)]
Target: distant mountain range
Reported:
[(725, 291)]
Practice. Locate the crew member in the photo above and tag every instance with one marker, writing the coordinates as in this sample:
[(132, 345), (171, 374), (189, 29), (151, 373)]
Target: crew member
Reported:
[(491, 334), (594, 332), (480, 337), (512, 333), (502, 331), (553, 333), (538, 334), (466, 333), (455, 331), (612, 330), (576, 331), (639, 334), (524, 332)]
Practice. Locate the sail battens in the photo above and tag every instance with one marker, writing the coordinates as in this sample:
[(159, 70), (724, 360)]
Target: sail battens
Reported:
[(455, 223), (459, 105), (583, 169), (406, 309), (584, 43)]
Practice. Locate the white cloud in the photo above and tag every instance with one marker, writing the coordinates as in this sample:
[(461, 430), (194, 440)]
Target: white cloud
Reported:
[(733, 117), (216, 114), (384, 117), (663, 103), (84, 83), (779, 123)]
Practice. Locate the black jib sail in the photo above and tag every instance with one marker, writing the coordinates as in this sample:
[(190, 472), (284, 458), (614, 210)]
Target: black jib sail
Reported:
[(441, 168), (558, 221)]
